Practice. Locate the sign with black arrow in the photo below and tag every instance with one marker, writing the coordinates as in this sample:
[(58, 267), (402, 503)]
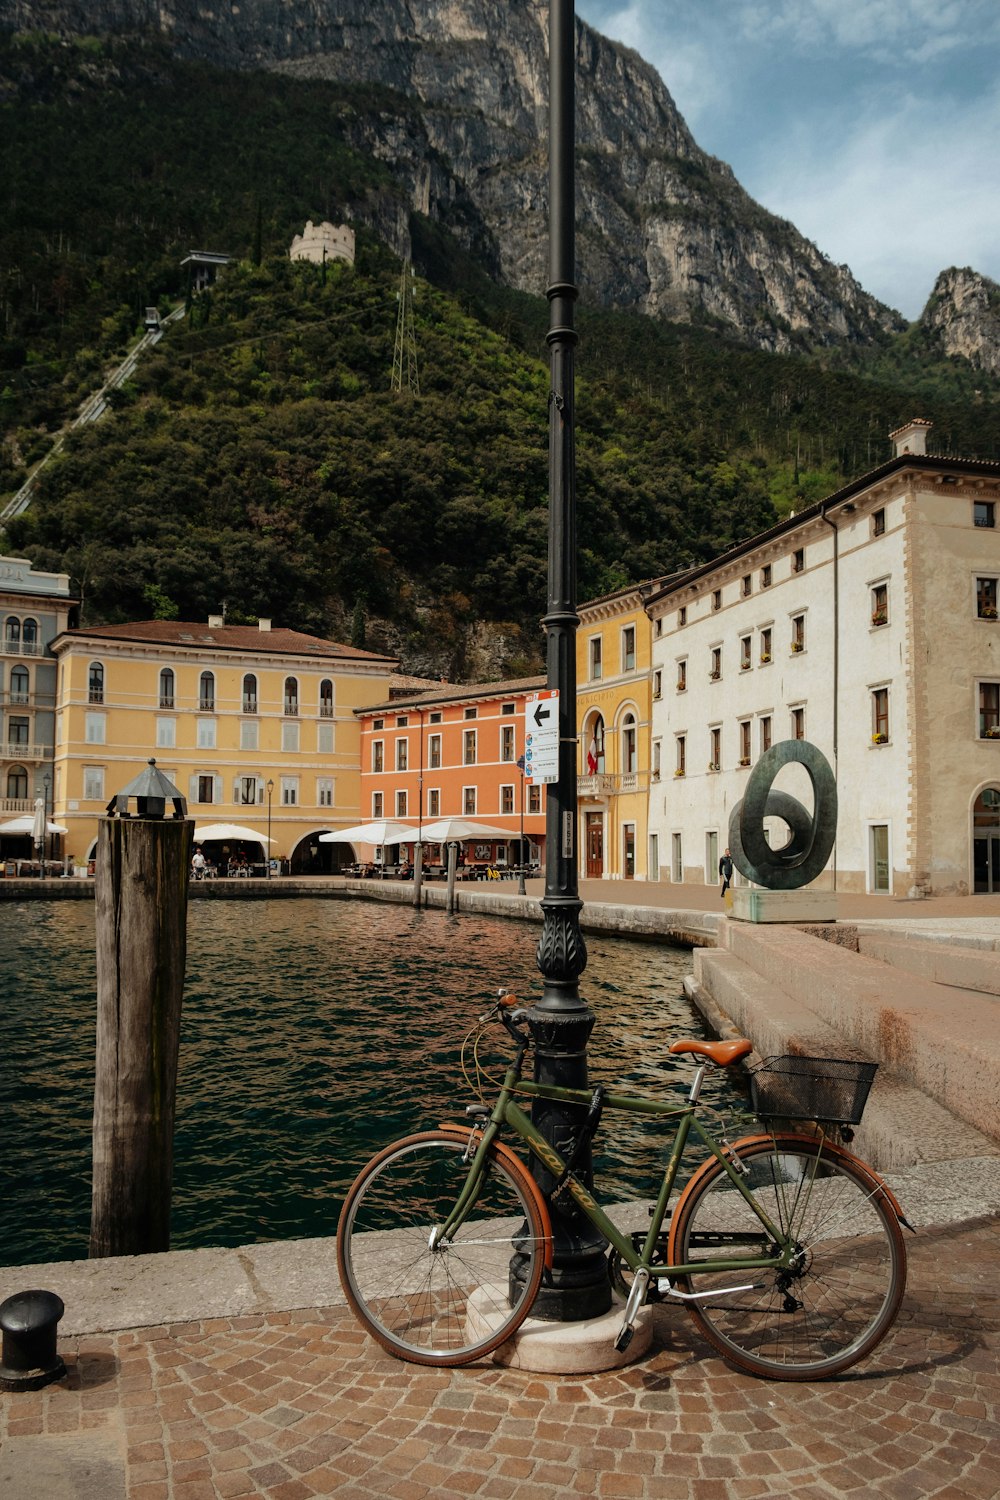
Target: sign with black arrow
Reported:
[(541, 738)]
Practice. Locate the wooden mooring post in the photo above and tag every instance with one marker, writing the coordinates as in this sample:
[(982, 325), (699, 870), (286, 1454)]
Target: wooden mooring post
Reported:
[(141, 894)]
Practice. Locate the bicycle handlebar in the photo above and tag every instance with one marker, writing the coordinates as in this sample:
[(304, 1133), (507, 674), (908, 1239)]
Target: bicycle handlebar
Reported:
[(512, 1017)]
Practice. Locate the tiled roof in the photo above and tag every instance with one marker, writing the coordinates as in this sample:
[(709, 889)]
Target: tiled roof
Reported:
[(457, 692), (182, 634)]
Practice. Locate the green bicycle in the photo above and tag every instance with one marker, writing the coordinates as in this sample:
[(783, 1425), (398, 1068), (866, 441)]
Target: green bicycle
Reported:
[(785, 1248)]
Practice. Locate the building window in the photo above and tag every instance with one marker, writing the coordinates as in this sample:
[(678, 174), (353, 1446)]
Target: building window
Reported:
[(534, 799), (471, 713), (765, 576), (507, 708), (596, 665), (377, 804), (434, 803), (506, 799), (798, 723), (747, 585), (95, 683), (798, 633), (682, 616), (20, 687), (12, 633), (880, 605), (745, 653), (629, 746), (657, 684), (291, 696), (402, 720), (249, 734), (250, 694), (93, 784), (206, 693), (715, 664), (206, 734), (29, 636), (94, 728), (989, 710), (469, 801), (166, 688), (290, 738), (378, 756), (434, 752), (19, 730), (986, 599), (628, 649), (798, 560), (657, 759), (983, 514), (206, 788), (507, 742), (765, 645), (682, 676), (765, 733), (715, 749), (166, 734), (401, 804), (326, 699), (744, 742), (880, 716), (380, 723), (469, 748), (324, 739), (436, 717), (289, 791), (658, 626), (716, 600), (681, 743), (402, 755), (878, 522), (249, 790)]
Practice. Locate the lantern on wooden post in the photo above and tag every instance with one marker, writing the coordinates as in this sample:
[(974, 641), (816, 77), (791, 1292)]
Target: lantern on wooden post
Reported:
[(141, 893)]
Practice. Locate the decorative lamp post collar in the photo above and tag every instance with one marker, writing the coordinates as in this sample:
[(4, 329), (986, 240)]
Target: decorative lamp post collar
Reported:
[(152, 791)]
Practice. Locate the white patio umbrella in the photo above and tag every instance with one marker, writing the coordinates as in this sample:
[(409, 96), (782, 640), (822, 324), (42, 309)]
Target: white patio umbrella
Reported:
[(226, 832), (26, 824), (379, 831), (459, 830), (38, 823)]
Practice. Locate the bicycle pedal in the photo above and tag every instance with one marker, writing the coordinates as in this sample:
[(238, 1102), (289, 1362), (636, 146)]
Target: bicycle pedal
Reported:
[(625, 1337)]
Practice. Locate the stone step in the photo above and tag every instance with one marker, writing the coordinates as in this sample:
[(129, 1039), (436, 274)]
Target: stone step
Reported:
[(902, 1126), (942, 1040), (942, 963)]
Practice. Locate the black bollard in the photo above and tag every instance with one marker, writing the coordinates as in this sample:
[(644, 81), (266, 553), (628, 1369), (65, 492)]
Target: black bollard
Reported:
[(29, 1359)]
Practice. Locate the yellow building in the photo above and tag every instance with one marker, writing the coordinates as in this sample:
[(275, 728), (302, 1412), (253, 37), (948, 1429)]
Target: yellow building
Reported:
[(618, 764), (255, 726)]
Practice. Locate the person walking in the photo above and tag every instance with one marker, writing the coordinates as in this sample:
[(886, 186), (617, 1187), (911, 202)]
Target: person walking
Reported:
[(726, 872)]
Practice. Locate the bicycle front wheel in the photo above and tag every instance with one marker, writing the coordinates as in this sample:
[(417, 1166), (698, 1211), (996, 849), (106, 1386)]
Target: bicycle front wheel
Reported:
[(839, 1292), (440, 1301)]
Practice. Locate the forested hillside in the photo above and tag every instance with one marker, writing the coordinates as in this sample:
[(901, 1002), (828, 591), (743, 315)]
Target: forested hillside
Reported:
[(258, 457)]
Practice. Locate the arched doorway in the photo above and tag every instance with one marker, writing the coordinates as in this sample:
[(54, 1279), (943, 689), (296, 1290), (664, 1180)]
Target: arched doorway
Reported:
[(986, 841)]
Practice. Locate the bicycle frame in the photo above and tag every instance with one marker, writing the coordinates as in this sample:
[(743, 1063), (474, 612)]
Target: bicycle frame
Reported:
[(507, 1112)]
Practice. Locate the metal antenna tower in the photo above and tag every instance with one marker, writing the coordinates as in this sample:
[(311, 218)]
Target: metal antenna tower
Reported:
[(404, 355)]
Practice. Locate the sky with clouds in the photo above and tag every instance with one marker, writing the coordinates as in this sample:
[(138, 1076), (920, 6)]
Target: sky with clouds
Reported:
[(873, 125)]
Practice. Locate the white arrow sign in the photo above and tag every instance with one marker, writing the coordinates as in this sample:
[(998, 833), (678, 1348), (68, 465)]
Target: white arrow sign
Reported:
[(541, 738)]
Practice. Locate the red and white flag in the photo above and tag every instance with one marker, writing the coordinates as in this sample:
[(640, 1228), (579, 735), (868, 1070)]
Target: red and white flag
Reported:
[(592, 757)]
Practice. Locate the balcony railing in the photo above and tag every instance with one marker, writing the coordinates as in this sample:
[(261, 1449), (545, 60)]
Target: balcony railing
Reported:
[(16, 805), (21, 648), (611, 784), (17, 751)]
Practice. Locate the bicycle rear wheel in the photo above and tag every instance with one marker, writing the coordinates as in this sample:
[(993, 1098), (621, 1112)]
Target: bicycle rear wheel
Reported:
[(454, 1301), (839, 1294)]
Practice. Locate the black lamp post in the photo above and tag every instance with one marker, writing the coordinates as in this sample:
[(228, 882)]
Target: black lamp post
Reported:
[(270, 789), (561, 1021), (520, 848), (46, 784)]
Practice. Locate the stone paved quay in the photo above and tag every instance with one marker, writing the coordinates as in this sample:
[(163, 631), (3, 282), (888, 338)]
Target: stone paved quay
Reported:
[(292, 1400)]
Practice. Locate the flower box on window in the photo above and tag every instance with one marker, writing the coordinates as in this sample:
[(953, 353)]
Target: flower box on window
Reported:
[(796, 645), (744, 760), (880, 739), (992, 733), (713, 765), (880, 617), (765, 657), (678, 773), (714, 676), (988, 612)]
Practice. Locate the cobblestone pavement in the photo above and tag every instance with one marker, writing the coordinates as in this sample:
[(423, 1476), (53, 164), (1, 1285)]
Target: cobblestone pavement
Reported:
[(301, 1404)]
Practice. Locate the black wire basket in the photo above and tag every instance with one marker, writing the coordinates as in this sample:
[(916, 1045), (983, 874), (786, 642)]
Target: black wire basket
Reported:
[(812, 1088)]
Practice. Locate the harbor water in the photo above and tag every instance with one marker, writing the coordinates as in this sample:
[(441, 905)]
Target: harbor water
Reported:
[(313, 1033)]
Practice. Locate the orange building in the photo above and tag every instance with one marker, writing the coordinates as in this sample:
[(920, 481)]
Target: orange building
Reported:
[(452, 751)]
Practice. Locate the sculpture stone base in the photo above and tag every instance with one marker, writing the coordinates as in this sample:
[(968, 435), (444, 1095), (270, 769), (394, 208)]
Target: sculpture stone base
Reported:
[(751, 905)]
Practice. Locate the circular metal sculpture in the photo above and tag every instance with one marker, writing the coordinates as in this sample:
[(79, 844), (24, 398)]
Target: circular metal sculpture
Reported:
[(812, 834)]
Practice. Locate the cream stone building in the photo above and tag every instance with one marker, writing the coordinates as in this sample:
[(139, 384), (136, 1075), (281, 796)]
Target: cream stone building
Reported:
[(866, 624), (323, 242)]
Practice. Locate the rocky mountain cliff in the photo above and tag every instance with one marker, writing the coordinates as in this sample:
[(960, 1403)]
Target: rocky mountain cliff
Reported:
[(963, 318), (663, 227)]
